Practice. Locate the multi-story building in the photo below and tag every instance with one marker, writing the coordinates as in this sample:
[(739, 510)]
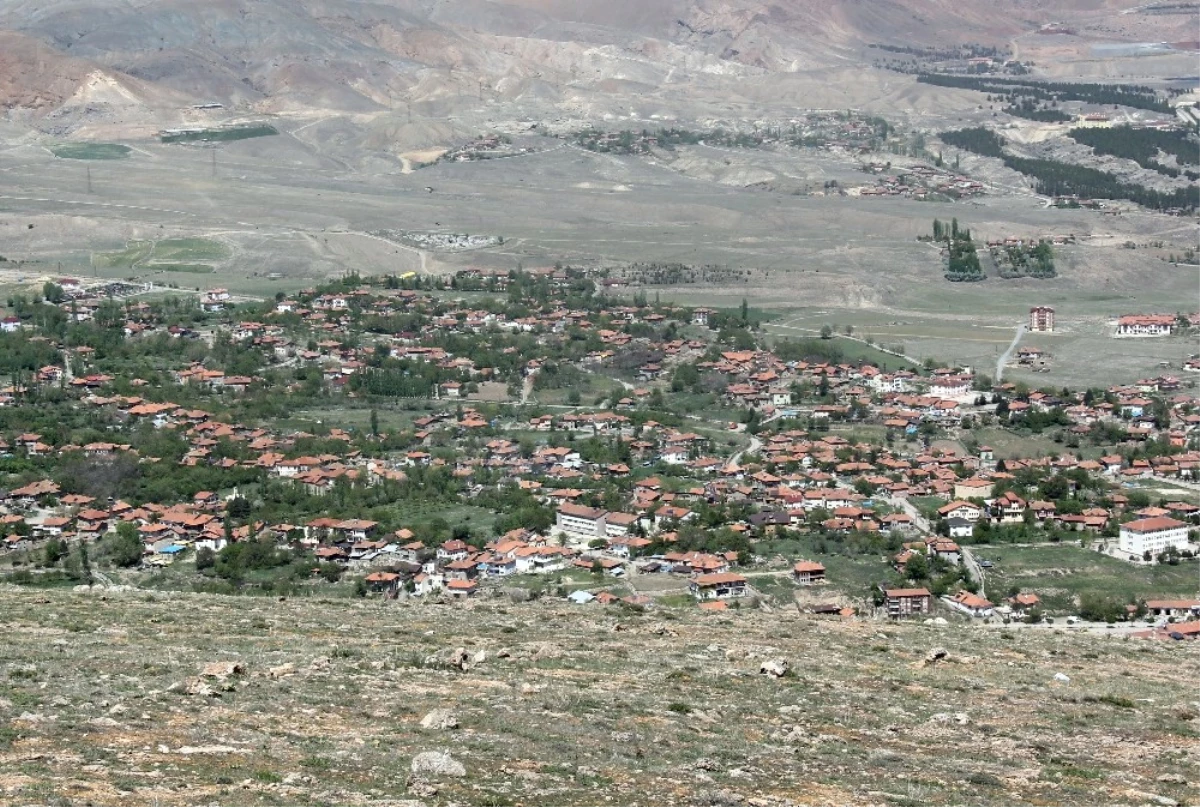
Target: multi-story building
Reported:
[(807, 572), (1153, 535), (587, 522), (1041, 319), (906, 602)]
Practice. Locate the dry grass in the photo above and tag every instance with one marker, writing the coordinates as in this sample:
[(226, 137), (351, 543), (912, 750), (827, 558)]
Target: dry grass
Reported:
[(568, 706)]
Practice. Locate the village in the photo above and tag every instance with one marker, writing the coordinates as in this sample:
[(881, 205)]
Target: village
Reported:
[(561, 443)]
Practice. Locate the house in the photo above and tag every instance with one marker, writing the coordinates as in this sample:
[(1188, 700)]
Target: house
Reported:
[(973, 488), (946, 550), (1174, 609), (960, 527), (720, 586), (581, 597), (807, 572), (382, 581), (356, 529), (1024, 602), (453, 550), (1008, 508), (461, 589), (425, 583), (1152, 535), (906, 602), (961, 510), (971, 604), (952, 387), (617, 525)]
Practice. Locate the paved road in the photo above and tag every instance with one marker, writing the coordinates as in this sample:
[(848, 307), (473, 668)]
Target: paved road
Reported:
[(755, 445), (919, 520), (1003, 360), (922, 523), (973, 569)]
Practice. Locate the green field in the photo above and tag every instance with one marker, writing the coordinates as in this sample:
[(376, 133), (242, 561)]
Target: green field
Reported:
[(183, 268), (90, 151), (221, 135), (1007, 444), (189, 249), (168, 255), (135, 252), (1058, 574)]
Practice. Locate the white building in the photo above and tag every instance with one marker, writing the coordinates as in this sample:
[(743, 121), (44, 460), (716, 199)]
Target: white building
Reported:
[(586, 522), (1152, 535), (1146, 325), (953, 387)]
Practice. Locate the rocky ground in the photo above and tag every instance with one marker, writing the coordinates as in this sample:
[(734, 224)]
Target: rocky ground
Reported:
[(129, 697)]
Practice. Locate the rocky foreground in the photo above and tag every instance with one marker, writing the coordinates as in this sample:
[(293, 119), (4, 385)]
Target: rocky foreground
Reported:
[(135, 698)]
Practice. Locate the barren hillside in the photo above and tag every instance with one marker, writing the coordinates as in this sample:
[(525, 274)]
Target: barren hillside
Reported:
[(125, 698), (513, 59)]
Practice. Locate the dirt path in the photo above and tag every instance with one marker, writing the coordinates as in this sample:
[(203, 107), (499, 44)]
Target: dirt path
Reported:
[(1003, 360)]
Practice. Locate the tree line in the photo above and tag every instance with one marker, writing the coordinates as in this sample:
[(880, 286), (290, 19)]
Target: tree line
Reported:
[(1054, 178), (1143, 147), (1135, 96)]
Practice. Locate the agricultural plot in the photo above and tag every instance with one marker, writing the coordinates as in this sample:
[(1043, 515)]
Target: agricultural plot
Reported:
[(223, 134), (181, 255), (90, 151), (1062, 574)]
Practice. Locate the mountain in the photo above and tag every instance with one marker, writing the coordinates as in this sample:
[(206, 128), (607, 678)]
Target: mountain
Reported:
[(588, 60)]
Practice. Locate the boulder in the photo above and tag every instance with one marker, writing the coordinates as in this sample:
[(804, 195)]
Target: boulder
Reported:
[(776, 668), (439, 720), (437, 763), (961, 718), (222, 669), (460, 658), (935, 655)]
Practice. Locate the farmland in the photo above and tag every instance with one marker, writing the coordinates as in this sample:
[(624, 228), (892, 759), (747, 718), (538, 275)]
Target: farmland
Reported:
[(90, 151), (1062, 574)]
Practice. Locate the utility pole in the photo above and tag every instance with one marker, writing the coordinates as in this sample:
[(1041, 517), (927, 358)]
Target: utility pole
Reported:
[(89, 178), (214, 162)]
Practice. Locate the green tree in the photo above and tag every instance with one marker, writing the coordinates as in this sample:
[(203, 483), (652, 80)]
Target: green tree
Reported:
[(124, 548), (205, 558), (53, 552), (917, 567)]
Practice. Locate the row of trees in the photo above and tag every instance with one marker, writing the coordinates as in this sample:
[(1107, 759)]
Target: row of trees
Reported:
[(962, 261), (1143, 146), (1054, 178), (1138, 97)]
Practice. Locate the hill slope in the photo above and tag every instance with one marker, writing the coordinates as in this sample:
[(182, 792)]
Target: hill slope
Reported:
[(104, 700), (589, 58)]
